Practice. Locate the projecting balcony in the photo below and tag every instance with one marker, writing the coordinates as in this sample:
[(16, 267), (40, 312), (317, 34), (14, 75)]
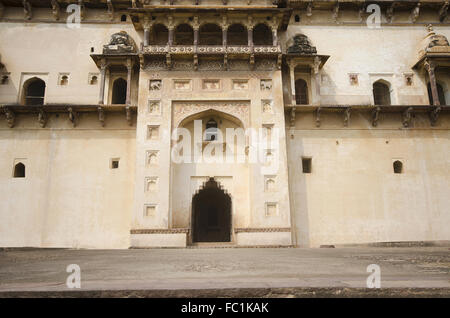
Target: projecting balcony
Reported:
[(211, 49)]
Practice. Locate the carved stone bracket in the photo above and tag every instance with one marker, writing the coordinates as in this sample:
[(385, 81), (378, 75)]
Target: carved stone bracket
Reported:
[(110, 9), (10, 117), (72, 116), (169, 60), (434, 115), (336, 12), (55, 9), (390, 13), (292, 120), (362, 11), (407, 117), (101, 115), (375, 116), (415, 12), (443, 11), (195, 62), (318, 117), (279, 61), (27, 10), (128, 115), (82, 9), (309, 8), (42, 118), (347, 116)]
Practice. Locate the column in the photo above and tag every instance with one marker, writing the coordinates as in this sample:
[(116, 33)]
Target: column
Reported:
[(250, 36), (146, 35), (292, 76), (171, 29), (224, 35), (103, 67), (130, 69), (315, 72), (429, 66), (275, 36), (196, 28)]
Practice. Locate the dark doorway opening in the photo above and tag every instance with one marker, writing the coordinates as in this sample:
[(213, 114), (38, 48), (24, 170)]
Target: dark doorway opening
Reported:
[(211, 214), (119, 94)]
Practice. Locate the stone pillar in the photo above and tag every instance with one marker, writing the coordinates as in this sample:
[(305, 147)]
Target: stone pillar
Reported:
[(103, 67), (170, 42), (275, 36), (429, 66), (146, 35), (250, 36), (316, 74), (130, 69), (196, 29), (224, 35), (292, 76)]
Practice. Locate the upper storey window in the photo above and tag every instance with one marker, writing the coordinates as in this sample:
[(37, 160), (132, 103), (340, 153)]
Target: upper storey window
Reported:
[(160, 35), (184, 35), (381, 93), (237, 35), (301, 92), (210, 34), (262, 35), (34, 91), (211, 130)]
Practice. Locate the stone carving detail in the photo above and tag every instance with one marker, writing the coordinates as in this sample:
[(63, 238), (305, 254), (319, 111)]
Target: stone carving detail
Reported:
[(10, 117), (128, 115), (55, 9), (42, 118), (267, 106), (72, 116), (151, 184), (266, 84), (27, 10), (211, 84), (318, 116), (120, 43), (240, 84), (151, 158), (407, 117), (302, 45), (375, 116), (155, 85), (154, 107), (434, 115), (436, 39), (239, 109), (101, 115), (182, 85), (443, 11), (353, 79), (347, 116), (153, 132)]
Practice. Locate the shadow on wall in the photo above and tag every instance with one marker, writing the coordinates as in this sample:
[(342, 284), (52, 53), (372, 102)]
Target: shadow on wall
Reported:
[(297, 193)]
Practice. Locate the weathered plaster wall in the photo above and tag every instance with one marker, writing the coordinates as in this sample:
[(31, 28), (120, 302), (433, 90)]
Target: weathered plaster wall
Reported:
[(386, 53), (353, 195), (70, 197)]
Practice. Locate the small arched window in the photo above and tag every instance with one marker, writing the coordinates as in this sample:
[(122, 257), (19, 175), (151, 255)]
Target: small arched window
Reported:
[(297, 18), (34, 92), (398, 166), (123, 18), (119, 93), (19, 170), (381, 93), (301, 92), (211, 130), (441, 94), (94, 80)]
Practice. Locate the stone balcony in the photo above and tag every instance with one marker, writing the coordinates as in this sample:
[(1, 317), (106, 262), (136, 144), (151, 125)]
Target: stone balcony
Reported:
[(210, 49)]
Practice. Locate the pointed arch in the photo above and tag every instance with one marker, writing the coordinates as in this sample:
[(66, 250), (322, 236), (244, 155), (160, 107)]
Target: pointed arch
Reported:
[(381, 92), (33, 91), (262, 35)]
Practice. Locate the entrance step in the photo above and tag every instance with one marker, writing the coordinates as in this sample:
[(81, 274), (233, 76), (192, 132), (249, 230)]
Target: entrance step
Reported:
[(212, 245)]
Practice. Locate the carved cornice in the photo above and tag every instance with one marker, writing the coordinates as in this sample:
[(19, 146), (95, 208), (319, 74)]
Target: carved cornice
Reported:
[(262, 230), (159, 231), (209, 49)]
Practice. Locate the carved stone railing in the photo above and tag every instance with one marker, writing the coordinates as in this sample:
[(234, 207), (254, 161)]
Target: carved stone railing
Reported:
[(211, 49), (407, 112)]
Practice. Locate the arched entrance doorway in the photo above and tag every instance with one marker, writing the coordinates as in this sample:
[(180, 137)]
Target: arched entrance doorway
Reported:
[(211, 214)]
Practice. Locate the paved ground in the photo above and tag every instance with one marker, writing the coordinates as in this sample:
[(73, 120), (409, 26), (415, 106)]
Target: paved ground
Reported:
[(225, 268)]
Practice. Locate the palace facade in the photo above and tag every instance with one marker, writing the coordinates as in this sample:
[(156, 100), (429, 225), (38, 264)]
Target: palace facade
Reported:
[(333, 115)]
